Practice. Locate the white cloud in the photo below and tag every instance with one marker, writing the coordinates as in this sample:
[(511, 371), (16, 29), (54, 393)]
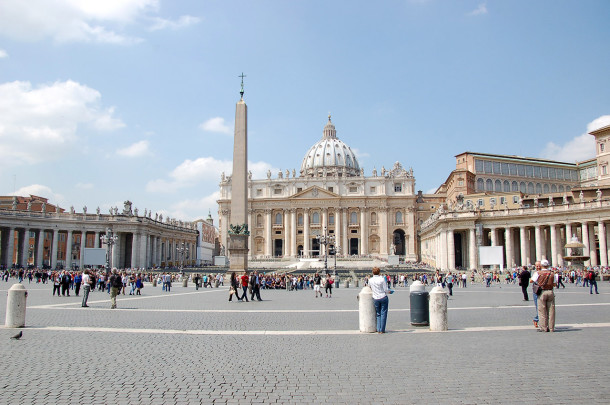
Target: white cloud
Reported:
[(138, 149), (72, 20), (204, 169), (3, 54), (191, 210), (40, 124), (480, 10), (41, 191), (84, 186), (216, 124), (360, 154), (581, 147), (182, 22)]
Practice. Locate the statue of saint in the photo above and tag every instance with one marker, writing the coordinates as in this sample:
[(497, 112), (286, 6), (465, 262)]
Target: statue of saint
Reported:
[(44, 207), (85, 210), (98, 211), (551, 203), (268, 174), (599, 194), (29, 205), (374, 172), (581, 196)]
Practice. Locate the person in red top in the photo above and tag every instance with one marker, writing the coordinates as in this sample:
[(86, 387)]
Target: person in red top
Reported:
[(244, 285)]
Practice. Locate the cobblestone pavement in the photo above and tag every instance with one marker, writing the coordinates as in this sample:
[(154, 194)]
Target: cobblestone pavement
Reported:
[(192, 346)]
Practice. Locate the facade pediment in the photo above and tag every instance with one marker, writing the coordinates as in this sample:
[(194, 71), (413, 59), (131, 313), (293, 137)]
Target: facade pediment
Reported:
[(314, 192)]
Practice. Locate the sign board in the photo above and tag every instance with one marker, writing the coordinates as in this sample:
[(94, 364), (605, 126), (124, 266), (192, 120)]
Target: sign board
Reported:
[(491, 256), (95, 257)]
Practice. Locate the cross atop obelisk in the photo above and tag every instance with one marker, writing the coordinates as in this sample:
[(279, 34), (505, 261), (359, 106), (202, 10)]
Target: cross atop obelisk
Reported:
[(238, 223)]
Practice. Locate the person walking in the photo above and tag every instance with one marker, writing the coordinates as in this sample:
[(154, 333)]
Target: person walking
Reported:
[(234, 287), (537, 268), (115, 283), (592, 277), (449, 281), (317, 280), (328, 286), (380, 289), (86, 288), (546, 299), (245, 280), (255, 286), (524, 282)]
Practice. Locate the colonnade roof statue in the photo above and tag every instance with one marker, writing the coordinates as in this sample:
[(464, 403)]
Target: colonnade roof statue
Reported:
[(330, 156)]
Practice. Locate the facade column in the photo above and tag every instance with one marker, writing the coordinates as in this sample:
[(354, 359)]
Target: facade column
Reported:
[(337, 230), (96, 240), (306, 240), (54, 247), (69, 249), (25, 249), (40, 249), (268, 234), (116, 249), (344, 230), (324, 230), (538, 241), (494, 236), (364, 233), (585, 240), (555, 260), (523, 246), (603, 252), (472, 248), (10, 256), (383, 231), (508, 244), (592, 249), (450, 250), (83, 245), (607, 244), (287, 233), (293, 232), (568, 237), (443, 250)]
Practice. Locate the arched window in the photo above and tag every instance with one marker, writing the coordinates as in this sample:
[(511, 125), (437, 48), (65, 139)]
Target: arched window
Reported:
[(373, 218), (514, 187), (300, 220), (561, 189), (353, 218), (530, 187), (506, 186), (489, 185), (553, 188), (480, 185), (315, 218), (278, 219), (331, 219), (259, 221), (498, 185), (522, 187), (538, 188), (398, 217), (546, 189)]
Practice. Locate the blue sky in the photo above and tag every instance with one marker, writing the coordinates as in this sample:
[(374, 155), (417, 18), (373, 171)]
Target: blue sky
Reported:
[(101, 102)]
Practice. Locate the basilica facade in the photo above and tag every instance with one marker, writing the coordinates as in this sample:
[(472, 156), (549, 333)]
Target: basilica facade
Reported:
[(331, 199)]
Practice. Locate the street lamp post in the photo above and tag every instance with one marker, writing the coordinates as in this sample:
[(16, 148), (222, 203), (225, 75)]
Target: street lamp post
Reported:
[(182, 249), (326, 240), (109, 238)]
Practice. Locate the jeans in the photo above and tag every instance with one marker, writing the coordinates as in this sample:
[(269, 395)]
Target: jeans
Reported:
[(245, 292), (86, 290), (593, 283), (381, 311), (536, 302)]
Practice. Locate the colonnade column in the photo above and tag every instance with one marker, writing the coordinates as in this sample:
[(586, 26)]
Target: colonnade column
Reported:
[(450, 250), (523, 246), (293, 232), (25, 249), (592, 250), (568, 237), (508, 243), (287, 234), (306, 232), (268, 234), (40, 248), (10, 259), (603, 253), (443, 255), (494, 237), (585, 240), (364, 237), (114, 262), (54, 247), (472, 248), (96, 241), (538, 237), (555, 261), (83, 243), (69, 249)]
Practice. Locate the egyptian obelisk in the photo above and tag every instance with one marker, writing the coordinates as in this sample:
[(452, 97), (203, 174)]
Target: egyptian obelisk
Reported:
[(238, 224)]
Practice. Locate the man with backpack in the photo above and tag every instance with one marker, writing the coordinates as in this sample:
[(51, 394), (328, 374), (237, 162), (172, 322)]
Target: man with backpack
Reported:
[(115, 283), (592, 281)]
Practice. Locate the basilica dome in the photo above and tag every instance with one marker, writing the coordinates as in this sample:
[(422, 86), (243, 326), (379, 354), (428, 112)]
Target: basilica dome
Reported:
[(330, 156)]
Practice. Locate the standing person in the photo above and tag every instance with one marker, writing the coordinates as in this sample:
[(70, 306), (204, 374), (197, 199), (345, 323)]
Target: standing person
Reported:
[(546, 300), (524, 282), (255, 285), (592, 281), (380, 289), (328, 286), (234, 287), (86, 288), (56, 283), (317, 280), (449, 281), (537, 268), (244, 285), (115, 283), (139, 285), (78, 279), (196, 279), (65, 283)]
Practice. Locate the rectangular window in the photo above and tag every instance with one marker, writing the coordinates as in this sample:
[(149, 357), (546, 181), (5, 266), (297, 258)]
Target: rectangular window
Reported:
[(497, 168), (481, 202), (559, 174), (545, 172), (373, 190), (604, 170), (300, 232), (353, 189), (521, 170), (277, 191), (515, 199), (529, 171), (460, 183), (259, 192), (601, 147), (537, 171), (397, 188), (330, 189), (502, 200), (354, 231), (299, 189), (505, 170), (478, 166), (513, 169), (488, 167), (278, 232), (551, 173)]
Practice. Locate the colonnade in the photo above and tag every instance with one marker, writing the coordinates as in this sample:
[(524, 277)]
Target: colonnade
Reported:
[(522, 244)]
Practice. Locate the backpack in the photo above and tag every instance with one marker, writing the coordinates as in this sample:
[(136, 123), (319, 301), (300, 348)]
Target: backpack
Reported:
[(591, 275)]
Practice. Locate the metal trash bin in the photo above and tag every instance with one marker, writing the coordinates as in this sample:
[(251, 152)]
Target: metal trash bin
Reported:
[(419, 309)]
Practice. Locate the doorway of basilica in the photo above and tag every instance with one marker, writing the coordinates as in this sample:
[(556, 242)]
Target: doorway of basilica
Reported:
[(398, 238), (278, 245)]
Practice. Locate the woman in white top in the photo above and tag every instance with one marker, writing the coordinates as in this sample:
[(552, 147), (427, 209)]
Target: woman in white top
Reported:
[(380, 289)]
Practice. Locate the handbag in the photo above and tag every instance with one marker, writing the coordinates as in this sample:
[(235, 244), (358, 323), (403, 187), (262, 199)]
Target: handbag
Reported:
[(536, 288)]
